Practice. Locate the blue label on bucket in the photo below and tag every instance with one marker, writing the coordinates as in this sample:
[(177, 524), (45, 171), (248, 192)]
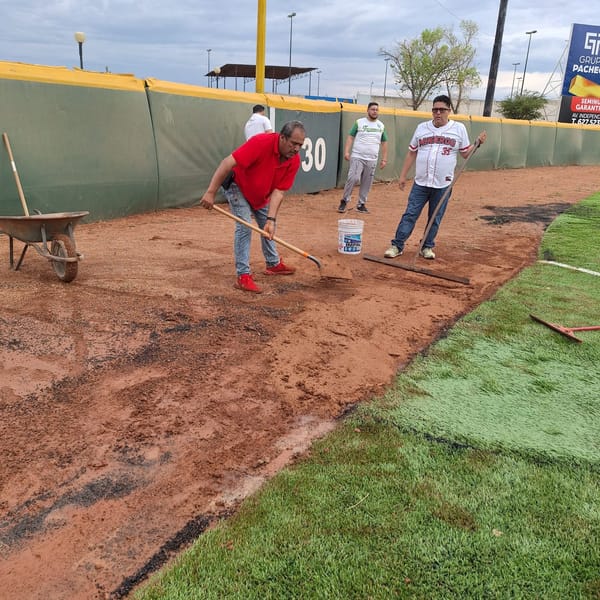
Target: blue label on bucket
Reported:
[(350, 243)]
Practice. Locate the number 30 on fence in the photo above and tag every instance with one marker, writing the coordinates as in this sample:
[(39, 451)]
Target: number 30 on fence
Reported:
[(315, 155)]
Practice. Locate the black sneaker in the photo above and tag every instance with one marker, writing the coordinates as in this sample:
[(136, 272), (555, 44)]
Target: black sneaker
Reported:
[(362, 209), (342, 206)]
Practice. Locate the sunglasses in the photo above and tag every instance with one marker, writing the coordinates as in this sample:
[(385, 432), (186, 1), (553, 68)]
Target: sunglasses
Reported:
[(439, 110)]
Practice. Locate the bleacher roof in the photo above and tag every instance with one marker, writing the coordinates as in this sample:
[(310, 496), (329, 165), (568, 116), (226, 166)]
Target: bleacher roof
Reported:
[(249, 71)]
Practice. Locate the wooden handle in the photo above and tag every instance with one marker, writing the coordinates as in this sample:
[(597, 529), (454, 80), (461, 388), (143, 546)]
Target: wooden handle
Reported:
[(14, 168), (261, 231)]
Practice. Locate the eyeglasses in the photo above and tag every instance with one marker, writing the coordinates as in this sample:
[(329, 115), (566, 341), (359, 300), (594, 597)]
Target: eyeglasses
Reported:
[(439, 110), (295, 143)]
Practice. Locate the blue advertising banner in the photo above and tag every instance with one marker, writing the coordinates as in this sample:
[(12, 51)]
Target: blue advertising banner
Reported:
[(581, 87)]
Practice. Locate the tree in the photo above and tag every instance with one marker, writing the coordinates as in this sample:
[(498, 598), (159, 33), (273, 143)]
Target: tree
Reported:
[(418, 64), (437, 60), (527, 106), (462, 75)]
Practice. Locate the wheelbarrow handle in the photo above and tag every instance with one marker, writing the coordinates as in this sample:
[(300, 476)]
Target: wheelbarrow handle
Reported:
[(265, 234), (14, 169)]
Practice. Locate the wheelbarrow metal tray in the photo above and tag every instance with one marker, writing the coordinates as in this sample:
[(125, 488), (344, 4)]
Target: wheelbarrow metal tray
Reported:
[(29, 229)]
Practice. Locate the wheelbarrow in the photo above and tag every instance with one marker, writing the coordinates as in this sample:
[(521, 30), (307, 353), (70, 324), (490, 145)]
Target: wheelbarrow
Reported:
[(51, 234)]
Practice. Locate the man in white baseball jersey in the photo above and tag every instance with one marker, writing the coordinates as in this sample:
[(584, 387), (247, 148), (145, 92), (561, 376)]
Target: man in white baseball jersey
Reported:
[(434, 148), (257, 123), (365, 138)]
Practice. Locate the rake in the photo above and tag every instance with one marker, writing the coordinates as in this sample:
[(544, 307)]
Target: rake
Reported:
[(412, 266), (566, 331)]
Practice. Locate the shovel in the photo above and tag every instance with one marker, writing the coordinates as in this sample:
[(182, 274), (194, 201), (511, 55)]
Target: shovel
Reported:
[(314, 259)]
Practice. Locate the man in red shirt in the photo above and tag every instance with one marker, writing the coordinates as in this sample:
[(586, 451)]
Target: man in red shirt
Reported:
[(254, 178)]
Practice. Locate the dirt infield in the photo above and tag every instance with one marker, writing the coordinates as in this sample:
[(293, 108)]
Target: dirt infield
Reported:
[(142, 402)]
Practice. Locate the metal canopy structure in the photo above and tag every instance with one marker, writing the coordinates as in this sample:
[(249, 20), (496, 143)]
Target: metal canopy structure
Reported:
[(248, 72)]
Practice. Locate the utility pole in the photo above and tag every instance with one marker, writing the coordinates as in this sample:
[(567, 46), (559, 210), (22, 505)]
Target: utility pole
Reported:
[(491, 86)]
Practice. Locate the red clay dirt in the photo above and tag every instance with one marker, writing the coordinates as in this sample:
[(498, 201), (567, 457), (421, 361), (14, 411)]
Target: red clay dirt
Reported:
[(142, 402)]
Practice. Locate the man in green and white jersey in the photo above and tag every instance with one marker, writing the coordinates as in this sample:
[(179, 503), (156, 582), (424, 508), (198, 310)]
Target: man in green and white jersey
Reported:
[(365, 139)]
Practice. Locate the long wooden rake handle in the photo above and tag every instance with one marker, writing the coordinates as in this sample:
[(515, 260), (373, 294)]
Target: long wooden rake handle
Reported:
[(265, 234), (14, 169), (445, 197)]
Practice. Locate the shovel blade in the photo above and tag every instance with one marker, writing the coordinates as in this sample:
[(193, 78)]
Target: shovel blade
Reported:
[(332, 270)]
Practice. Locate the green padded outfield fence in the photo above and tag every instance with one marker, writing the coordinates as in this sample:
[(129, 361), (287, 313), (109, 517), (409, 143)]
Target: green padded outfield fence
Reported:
[(116, 145)]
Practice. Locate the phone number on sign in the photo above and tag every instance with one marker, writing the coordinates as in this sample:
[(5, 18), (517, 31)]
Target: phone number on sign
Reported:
[(591, 120)]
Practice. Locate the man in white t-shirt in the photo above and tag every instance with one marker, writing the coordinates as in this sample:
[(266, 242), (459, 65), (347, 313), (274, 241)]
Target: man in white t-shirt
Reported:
[(257, 123), (434, 148), (365, 138)]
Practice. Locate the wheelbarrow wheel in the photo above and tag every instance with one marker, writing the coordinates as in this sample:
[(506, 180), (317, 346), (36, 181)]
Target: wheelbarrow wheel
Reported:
[(63, 246)]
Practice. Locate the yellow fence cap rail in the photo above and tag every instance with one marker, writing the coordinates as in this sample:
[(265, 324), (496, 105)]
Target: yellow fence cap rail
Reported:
[(199, 91), (551, 124), (303, 104), (66, 76)]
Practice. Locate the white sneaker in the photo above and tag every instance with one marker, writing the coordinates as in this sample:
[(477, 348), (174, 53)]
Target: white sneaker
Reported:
[(427, 253), (392, 252)]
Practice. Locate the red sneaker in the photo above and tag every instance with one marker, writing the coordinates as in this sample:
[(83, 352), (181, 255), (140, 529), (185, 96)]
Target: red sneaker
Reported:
[(280, 269), (246, 283)]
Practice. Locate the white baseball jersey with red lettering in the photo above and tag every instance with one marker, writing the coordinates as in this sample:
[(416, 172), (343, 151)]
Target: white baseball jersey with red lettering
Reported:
[(437, 149)]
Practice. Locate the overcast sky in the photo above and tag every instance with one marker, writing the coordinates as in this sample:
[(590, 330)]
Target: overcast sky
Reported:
[(168, 39)]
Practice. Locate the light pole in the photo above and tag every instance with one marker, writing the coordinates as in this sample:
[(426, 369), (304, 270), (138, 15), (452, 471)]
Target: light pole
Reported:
[(217, 70), (291, 18), (371, 90), (318, 83), (512, 87), (208, 51), (80, 38), (529, 33), (387, 60)]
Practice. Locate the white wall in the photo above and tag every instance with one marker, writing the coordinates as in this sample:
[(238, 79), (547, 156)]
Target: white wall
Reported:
[(468, 107)]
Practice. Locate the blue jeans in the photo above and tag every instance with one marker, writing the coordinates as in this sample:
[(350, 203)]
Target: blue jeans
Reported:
[(418, 197), (243, 235)]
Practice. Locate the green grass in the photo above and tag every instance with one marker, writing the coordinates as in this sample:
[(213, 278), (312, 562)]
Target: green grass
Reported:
[(503, 381), (476, 476)]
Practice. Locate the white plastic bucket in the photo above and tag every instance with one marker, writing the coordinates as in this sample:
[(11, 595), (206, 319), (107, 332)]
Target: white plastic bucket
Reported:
[(350, 236)]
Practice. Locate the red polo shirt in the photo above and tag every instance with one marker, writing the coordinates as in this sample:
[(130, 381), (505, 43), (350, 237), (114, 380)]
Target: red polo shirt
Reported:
[(259, 171)]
